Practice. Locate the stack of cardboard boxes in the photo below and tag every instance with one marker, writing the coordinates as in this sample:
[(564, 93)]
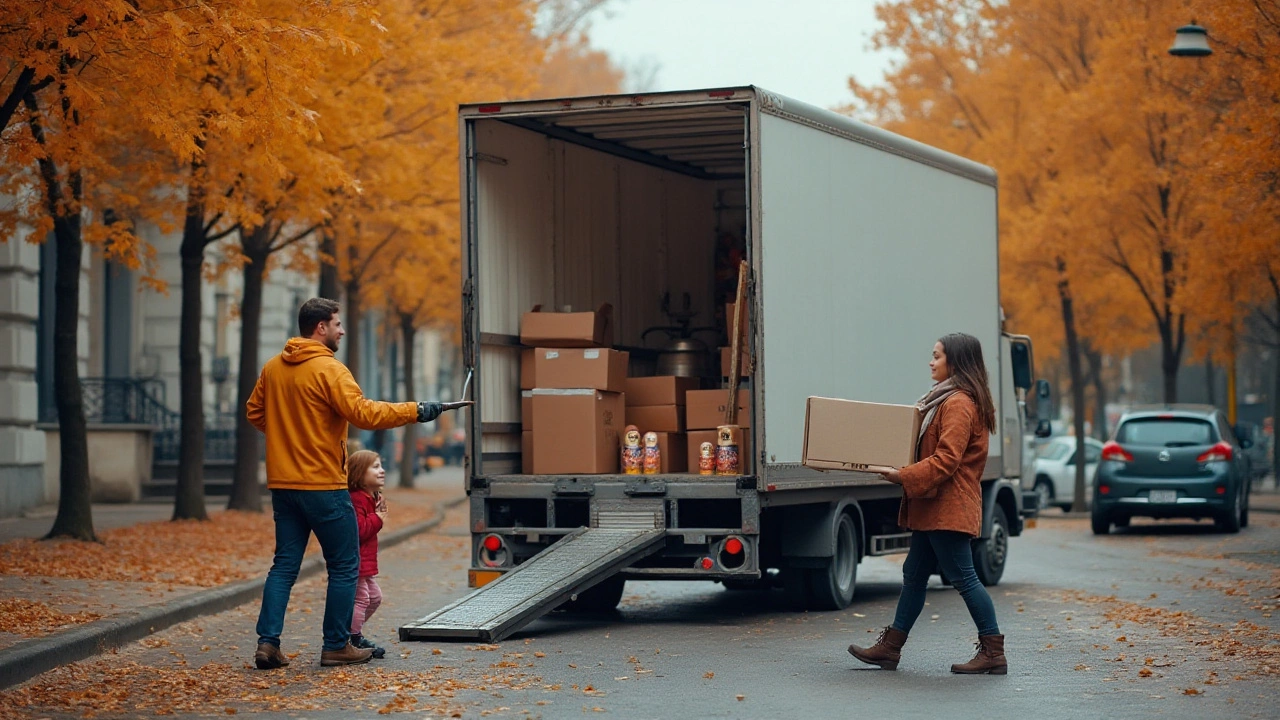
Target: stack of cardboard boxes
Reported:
[(704, 412), (657, 404), (572, 383)]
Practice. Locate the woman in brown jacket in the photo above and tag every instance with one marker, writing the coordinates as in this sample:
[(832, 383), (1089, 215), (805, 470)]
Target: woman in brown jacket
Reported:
[(942, 504)]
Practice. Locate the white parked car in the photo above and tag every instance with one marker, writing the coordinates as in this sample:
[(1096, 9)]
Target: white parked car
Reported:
[(1054, 477)]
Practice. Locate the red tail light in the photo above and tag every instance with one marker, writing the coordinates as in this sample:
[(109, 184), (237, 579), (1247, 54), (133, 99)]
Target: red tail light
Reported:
[(493, 543), (1114, 452), (1220, 490), (733, 546), (1104, 489), (1221, 452)]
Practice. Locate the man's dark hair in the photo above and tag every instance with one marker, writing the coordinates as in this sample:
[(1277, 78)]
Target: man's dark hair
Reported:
[(313, 312)]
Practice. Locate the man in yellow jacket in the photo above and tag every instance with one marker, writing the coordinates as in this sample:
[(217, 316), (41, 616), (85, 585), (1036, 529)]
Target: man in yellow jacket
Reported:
[(302, 401)]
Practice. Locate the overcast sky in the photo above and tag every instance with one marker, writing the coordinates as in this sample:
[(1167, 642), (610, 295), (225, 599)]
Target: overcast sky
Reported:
[(804, 49)]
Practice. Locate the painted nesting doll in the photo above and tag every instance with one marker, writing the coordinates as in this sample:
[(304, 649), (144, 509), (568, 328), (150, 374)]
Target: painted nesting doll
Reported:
[(652, 454), (706, 459), (632, 453), (727, 460)]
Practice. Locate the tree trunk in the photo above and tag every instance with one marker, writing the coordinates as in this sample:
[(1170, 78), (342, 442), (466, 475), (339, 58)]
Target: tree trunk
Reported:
[(75, 511), (328, 266), (1079, 502), (189, 498), (1169, 366), (245, 492), (408, 459), (1099, 394), (354, 345)]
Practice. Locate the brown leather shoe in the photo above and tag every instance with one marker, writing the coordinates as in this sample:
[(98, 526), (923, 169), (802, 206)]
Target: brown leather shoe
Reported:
[(269, 657), (349, 655), (989, 660), (886, 652)]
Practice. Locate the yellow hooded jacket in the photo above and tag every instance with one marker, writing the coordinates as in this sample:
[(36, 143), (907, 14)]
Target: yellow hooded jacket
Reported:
[(302, 401)]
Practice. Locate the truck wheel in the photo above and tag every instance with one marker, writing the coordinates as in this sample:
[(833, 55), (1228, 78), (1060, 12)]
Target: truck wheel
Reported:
[(831, 588), (600, 598), (990, 555)]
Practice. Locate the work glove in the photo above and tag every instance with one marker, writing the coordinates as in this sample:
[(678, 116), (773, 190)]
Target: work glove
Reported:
[(428, 411)]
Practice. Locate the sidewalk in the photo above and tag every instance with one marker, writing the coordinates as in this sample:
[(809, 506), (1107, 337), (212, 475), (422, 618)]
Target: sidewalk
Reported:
[(1265, 496), (89, 615)]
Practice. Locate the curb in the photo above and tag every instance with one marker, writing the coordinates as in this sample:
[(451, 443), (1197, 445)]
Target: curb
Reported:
[(27, 659)]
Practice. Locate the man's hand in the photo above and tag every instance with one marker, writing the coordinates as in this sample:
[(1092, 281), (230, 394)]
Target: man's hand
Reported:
[(890, 474), (428, 411)]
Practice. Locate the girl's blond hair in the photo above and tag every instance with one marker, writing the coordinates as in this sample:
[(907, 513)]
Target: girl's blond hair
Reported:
[(358, 466)]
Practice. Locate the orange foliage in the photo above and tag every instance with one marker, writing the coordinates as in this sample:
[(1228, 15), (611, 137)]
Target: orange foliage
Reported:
[(31, 617)]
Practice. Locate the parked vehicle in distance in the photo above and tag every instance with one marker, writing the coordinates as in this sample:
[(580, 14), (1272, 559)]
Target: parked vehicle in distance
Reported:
[(1256, 452), (1054, 472), (1175, 461)]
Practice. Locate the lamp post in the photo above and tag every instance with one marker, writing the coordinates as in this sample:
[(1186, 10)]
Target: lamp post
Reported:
[(1193, 41)]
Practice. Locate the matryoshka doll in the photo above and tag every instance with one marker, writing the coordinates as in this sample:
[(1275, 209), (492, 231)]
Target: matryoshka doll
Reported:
[(652, 455), (727, 461), (706, 459), (632, 453)]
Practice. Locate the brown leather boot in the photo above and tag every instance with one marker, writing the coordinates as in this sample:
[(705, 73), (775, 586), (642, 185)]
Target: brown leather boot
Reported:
[(349, 655), (886, 652), (989, 660), (269, 657)]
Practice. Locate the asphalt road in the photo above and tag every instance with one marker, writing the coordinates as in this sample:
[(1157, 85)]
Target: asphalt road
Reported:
[(1162, 620)]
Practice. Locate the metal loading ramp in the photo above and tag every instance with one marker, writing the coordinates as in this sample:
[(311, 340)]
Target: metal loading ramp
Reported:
[(577, 562)]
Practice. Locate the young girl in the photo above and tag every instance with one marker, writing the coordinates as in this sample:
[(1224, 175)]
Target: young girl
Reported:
[(365, 479), (942, 504)]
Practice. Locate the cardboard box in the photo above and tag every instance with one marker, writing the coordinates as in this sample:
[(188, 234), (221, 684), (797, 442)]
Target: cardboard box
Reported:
[(852, 435), (728, 321), (695, 438), (656, 418), (526, 452), (660, 390), (704, 409), (526, 410), (744, 362), (571, 329), (528, 372), (675, 456), (576, 431), (578, 368)]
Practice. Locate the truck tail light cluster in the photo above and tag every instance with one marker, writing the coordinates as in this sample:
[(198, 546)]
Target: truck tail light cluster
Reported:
[(1115, 452), (732, 553), (494, 552), (1221, 452)]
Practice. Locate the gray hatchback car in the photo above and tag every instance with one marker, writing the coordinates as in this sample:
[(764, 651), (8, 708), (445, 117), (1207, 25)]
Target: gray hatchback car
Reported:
[(1176, 461)]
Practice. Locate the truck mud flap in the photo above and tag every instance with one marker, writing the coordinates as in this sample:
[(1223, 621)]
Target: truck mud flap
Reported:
[(575, 563)]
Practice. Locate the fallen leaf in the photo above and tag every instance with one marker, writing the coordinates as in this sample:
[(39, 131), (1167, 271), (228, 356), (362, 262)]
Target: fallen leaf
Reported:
[(708, 676), (1145, 672), (740, 697), (1192, 691)]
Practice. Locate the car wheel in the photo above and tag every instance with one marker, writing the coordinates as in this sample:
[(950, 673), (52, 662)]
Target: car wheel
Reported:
[(1101, 523), (832, 587), (1244, 511), (1122, 522), (990, 555), (1230, 520), (1044, 493)]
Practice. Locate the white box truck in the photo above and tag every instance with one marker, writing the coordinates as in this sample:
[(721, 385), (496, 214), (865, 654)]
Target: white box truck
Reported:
[(864, 247)]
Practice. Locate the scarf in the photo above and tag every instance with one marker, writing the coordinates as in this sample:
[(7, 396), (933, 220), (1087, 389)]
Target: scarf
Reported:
[(930, 402)]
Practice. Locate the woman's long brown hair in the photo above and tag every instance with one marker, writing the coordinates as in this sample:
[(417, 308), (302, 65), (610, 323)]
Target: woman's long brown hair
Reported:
[(969, 373), (357, 466)]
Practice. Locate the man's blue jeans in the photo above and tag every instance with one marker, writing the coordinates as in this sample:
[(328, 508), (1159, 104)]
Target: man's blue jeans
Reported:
[(952, 553), (329, 514)]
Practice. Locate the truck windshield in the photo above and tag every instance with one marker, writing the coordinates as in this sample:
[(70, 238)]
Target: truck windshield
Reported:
[(1165, 432)]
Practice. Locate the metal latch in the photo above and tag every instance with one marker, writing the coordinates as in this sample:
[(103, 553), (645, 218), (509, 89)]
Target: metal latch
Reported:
[(572, 486), (644, 487)]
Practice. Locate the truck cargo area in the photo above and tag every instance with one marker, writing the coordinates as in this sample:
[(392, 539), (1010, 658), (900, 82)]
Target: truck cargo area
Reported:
[(572, 210)]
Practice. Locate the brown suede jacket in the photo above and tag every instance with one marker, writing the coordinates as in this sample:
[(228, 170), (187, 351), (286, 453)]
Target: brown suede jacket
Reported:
[(943, 491)]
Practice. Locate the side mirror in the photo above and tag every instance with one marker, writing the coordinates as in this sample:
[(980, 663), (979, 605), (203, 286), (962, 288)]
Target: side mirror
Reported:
[(1022, 367), (1044, 428)]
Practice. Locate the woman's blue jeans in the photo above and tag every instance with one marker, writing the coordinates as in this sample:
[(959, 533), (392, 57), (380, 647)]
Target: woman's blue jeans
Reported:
[(951, 553), (329, 514)]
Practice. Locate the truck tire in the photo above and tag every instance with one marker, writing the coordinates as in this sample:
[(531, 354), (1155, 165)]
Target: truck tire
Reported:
[(600, 598), (990, 555), (832, 587)]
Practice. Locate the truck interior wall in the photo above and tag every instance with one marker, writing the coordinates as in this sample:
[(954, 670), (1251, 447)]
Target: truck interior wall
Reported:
[(564, 226), (867, 258)]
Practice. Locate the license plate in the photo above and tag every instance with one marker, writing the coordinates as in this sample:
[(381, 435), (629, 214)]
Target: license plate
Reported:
[(1163, 496)]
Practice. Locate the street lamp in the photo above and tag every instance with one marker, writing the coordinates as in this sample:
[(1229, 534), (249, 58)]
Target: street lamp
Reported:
[(1190, 41)]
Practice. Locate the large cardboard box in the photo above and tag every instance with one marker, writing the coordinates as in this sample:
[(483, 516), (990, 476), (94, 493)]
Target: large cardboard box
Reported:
[(704, 409), (728, 321), (744, 362), (528, 373), (853, 435), (695, 438), (569, 329), (526, 452), (575, 368), (656, 418), (660, 390), (526, 410), (576, 431), (674, 452)]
